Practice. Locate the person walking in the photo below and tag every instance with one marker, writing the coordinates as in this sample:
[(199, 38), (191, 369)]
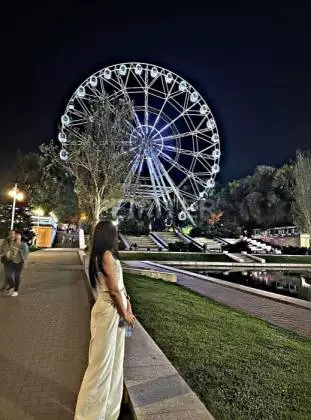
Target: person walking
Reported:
[(101, 391), (5, 254), (19, 254)]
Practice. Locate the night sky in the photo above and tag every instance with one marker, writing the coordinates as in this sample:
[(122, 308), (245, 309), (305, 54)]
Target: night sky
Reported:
[(253, 66)]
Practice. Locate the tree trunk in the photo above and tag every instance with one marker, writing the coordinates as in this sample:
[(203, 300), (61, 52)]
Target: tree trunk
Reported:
[(95, 218)]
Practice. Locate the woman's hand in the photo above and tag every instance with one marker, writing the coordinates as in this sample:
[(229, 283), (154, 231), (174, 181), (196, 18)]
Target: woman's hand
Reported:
[(130, 318), (129, 307)]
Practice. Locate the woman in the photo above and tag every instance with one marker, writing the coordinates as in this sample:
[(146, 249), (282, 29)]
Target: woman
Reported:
[(19, 254), (101, 391), (5, 254)]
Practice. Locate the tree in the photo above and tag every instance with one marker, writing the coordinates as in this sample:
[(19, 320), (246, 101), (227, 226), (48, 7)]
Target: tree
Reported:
[(302, 191), (22, 220), (45, 185), (99, 155), (214, 218)]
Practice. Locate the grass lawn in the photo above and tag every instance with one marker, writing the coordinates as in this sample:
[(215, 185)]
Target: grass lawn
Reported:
[(241, 367), (167, 256), (285, 259)]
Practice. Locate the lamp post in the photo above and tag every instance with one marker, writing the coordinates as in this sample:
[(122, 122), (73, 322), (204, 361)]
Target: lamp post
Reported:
[(16, 195)]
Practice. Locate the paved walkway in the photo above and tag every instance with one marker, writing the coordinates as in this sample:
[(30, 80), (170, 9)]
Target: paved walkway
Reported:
[(44, 339), (283, 315)]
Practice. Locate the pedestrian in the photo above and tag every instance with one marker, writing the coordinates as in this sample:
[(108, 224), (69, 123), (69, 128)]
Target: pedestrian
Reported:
[(19, 254), (101, 391), (5, 254)]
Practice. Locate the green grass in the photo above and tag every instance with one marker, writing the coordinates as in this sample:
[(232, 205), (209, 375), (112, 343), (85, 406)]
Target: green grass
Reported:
[(240, 366), (167, 256), (284, 259)]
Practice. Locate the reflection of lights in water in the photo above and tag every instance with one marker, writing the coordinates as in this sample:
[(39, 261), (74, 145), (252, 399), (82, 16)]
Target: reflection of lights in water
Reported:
[(290, 284)]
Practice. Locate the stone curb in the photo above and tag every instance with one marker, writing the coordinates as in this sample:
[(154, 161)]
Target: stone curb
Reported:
[(245, 289), (154, 388), (169, 277), (232, 264)]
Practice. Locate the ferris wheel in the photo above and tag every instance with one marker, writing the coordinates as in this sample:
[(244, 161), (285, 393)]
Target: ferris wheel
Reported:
[(174, 136)]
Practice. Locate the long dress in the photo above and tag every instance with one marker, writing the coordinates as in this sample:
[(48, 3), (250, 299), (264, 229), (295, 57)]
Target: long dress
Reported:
[(101, 391)]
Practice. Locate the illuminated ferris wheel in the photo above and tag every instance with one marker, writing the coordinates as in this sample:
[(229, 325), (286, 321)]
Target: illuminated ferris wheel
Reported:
[(174, 135)]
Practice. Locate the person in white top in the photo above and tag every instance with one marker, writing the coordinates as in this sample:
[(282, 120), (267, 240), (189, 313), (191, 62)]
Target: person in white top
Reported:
[(101, 391)]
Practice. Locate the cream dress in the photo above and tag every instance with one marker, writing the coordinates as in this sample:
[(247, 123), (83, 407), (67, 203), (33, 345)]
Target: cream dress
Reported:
[(101, 391)]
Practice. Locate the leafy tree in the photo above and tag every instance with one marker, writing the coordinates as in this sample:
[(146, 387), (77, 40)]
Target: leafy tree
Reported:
[(22, 220), (302, 191), (99, 155), (263, 199), (45, 185)]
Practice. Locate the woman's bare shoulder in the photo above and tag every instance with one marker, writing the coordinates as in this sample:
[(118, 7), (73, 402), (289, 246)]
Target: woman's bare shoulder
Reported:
[(107, 257)]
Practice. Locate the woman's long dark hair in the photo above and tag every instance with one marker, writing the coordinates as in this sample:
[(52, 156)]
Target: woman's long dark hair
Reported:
[(105, 238)]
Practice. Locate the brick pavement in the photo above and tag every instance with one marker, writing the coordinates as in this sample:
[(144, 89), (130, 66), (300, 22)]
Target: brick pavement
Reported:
[(290, 317), (44, 339)]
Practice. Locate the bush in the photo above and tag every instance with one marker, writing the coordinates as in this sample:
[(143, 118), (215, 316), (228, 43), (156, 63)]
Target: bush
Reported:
[(236, 248), (295, 250), (133, 227), (182, 247)]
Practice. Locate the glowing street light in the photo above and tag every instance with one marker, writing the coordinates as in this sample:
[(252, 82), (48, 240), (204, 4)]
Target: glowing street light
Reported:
[(16, 195), (83, 217)]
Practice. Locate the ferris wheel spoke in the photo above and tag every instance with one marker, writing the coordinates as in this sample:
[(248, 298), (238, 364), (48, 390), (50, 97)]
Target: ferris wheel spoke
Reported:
[(204, 163), (84, 107), (97, 93), (153, 181), (163, 106), (207, 148), (186, 100), (122, 86), (132, 172), (178, 166), (176, 190), (140, 80), (157, 170), (177, 136), (146, 88), (180, 150), (111, 82), (175, 119), (194, 187)]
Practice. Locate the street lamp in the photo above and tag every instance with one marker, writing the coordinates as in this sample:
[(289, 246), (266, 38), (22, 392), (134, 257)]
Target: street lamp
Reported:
[(16, 195)]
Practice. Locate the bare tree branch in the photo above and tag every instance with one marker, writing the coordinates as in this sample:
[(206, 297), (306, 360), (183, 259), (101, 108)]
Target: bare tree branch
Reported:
[(99, 156)]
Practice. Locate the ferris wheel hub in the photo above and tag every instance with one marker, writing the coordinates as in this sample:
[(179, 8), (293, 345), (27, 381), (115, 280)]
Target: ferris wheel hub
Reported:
[(146, 140)]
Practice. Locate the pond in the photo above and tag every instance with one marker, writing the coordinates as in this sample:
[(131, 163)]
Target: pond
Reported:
[(295, 284)]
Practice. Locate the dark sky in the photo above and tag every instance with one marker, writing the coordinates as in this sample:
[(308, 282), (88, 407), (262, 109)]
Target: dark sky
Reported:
[(252, 65)]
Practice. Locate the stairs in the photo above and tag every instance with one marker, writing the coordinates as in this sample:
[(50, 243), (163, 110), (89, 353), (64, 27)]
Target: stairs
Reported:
[(143, 242), (211, 245), (169, 237)]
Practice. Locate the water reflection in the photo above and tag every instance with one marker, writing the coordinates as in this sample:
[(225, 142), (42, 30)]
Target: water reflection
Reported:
[(282, 282)]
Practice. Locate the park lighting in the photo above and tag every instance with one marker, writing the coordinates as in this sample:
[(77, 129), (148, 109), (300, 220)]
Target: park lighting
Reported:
[(52, 214), (39, 212), (115, 222), (16, 195), (83, 217)]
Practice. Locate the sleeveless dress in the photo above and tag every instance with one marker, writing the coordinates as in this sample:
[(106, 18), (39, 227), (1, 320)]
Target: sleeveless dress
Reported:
[(101, 391)]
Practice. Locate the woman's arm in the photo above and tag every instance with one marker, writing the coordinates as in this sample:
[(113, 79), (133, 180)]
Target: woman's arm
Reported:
[(24, 250), (111, 282)]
